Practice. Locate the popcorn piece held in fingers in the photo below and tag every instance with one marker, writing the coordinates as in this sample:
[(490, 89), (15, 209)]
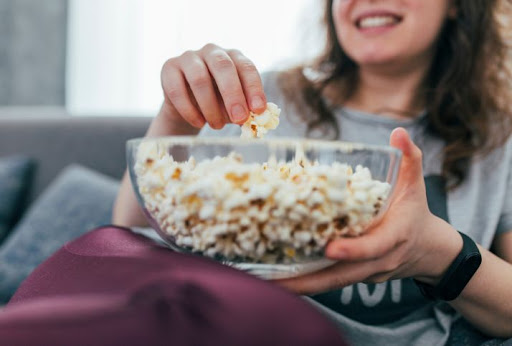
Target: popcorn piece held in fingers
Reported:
[(258, 125)]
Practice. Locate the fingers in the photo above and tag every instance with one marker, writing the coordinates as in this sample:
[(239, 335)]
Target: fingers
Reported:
[(176, 92), (251, 81), (213, 85), (411, 166), (370, 246), (380, 254), (333, 277), (400, 139), (383, 239), (372, 270), (224, 72), (202, 88)]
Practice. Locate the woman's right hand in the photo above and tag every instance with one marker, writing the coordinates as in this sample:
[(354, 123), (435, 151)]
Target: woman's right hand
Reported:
[(211, 85)]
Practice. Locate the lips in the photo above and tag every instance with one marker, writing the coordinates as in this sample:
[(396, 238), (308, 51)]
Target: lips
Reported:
[(376, 20)]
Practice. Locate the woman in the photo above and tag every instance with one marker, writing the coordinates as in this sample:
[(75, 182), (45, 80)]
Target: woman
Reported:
[(436, 68)]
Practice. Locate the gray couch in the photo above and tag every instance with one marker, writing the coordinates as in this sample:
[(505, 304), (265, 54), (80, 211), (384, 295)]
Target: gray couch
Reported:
[(56, 141), (78, 164)]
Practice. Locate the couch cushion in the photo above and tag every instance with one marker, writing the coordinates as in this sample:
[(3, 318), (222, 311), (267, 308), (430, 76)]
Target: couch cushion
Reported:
[(78, 200), (16, 174), (58, 141)]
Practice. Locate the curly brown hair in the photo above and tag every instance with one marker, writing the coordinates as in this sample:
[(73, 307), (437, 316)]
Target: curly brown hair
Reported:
[(467, 92)]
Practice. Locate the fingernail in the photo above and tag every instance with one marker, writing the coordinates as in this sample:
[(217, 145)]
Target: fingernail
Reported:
[(238, 113), (257, 103)]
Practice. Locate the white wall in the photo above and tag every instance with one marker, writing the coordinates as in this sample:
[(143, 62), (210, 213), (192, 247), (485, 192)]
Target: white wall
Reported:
[(116, 47)]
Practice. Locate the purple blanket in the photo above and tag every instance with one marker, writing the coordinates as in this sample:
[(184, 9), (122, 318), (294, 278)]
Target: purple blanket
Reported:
[(113, 287)]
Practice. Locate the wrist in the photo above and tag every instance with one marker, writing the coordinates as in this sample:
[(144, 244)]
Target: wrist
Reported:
[(458, 275), (445, 243), (169, 122)]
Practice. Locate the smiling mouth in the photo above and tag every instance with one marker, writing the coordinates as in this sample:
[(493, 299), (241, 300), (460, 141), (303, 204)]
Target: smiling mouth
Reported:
[(378, 21)]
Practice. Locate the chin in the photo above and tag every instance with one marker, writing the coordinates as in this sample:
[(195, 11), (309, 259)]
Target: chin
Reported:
[(375, 59), (373, 55)]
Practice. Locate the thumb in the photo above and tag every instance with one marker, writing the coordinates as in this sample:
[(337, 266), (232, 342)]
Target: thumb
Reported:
[(411, 166)]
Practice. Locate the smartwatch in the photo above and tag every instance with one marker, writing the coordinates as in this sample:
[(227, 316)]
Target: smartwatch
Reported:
[(458, 274)]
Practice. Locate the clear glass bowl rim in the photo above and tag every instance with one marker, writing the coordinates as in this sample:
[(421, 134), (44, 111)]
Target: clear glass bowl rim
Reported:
[(287, 142)]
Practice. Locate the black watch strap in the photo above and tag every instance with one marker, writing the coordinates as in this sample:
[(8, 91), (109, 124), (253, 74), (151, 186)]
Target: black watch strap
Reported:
[(458, 274)]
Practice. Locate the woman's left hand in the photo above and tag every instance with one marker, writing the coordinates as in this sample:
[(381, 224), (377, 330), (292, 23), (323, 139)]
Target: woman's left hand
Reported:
[(409, 241)]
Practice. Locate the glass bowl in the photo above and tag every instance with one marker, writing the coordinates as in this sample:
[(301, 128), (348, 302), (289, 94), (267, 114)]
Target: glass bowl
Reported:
[(266, 206)]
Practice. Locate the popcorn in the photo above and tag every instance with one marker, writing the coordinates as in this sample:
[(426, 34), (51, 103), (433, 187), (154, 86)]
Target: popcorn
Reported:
[(273, 212), (258, 125)]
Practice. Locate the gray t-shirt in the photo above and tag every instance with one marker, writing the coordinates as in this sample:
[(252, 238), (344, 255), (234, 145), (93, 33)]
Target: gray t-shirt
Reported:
[(394, 312)]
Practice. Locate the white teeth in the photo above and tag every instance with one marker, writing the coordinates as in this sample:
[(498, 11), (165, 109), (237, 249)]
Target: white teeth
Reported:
[(372, 22)]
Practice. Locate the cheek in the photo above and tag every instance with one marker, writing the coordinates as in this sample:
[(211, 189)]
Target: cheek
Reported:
[(341, 19), (429, 16), (426, 22)]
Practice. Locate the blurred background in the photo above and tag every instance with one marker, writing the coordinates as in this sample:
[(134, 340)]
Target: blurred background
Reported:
[(78, 78), (103, 57)]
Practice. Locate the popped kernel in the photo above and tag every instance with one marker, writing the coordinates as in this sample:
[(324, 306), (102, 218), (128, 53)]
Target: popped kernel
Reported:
[(257, 125)]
